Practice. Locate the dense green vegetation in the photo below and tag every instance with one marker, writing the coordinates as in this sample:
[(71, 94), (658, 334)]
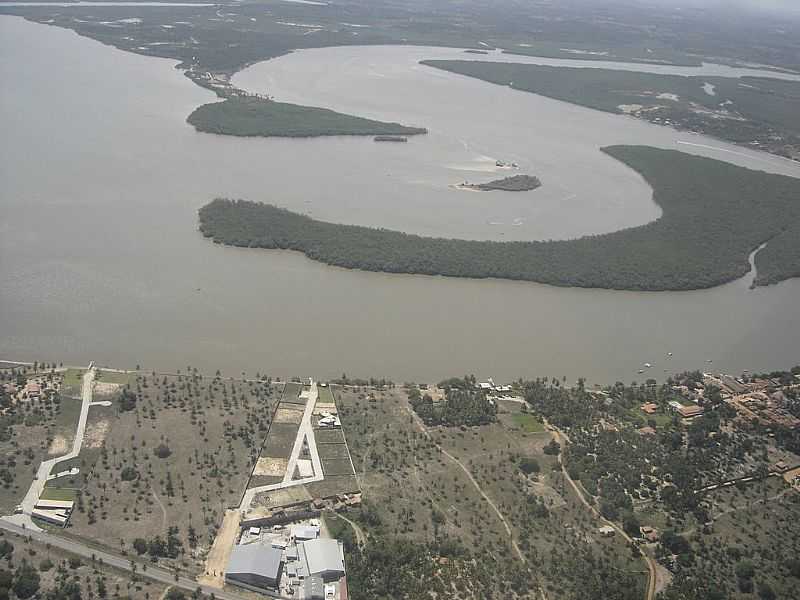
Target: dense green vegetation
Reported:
[(515, 183), (714, 215), (725, 537), (249, 116), (739, 110), (461, 406)]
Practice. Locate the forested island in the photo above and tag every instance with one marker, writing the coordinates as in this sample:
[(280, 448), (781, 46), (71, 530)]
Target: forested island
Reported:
[(752, 111), (515, 183), (714, 215), (251, 116)]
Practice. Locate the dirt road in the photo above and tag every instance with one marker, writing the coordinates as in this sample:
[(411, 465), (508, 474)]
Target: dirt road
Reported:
[(422, 427), (651, 563)]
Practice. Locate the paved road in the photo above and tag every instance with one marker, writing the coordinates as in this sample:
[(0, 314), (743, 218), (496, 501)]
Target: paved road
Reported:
[(37, 486), (144, 570)]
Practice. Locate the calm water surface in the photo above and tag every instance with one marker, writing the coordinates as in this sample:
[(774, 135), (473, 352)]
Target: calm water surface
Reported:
[(101, 178)]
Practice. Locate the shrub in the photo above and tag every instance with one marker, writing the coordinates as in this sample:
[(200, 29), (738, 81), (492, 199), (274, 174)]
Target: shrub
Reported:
[(129, 474), (529, 465)]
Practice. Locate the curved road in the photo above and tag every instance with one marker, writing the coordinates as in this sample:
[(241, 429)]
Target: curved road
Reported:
[(651, 563)]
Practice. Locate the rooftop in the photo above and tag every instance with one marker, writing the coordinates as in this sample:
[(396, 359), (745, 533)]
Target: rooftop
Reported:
[(323, 555), (257, 559)]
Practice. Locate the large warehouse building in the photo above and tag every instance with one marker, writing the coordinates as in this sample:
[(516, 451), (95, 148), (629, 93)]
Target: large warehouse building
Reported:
[(325, 558), (255, 566)]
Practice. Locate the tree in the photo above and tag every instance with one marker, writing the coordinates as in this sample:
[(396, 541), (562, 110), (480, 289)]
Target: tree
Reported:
[(26, 581), (765, 591), (553, 448), (162, 451), (529, 465), (745, 569), (129, 474), (140, 545), (6, 549), (127, 400), (175, 594), (630, 524), (793, 564)]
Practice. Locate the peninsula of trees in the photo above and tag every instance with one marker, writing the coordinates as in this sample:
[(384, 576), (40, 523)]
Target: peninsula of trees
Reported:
[(714, 215), (515, 183), (251, 116)]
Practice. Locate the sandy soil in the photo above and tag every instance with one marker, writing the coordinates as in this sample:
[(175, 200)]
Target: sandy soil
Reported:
[(547, 493), (58, 446), (284, 497), (271, 466), (103, 388), (95, 434), (288, 415), (220, 552)]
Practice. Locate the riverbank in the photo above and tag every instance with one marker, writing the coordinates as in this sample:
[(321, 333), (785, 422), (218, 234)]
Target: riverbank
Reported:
[(680, 251)]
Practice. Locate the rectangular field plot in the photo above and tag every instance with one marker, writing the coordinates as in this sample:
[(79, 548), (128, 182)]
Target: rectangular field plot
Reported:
[(336, 466), (333, 485), (291, 393), (329, 436), (259, 480), (331, 451), (280, 440), (325, 395)]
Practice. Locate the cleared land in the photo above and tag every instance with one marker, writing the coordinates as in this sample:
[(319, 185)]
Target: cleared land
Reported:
[(250, 117), (178, 455), (714, 215), (413, 493)]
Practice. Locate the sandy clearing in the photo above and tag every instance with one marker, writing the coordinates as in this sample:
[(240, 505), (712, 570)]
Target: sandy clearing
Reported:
[(103, 388), (220, 552), (58, 445), (324, 407), (288, 415), (271, 466), (96, 434)]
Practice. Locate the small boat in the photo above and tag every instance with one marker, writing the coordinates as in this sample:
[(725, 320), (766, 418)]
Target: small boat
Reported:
[(641, 371), (647, 365), (669, 353)]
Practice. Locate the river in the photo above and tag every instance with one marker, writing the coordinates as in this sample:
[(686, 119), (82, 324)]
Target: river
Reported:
[(101, 178)]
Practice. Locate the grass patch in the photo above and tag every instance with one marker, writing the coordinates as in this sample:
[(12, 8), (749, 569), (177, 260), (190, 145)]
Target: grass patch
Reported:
[(328, 436), (679, 251), (527, 423), (252, 117), (115, 377), (325, 395), (331, 451), (336, 466), (72, 382), (64, 494), (280, 440), (333, 485)]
